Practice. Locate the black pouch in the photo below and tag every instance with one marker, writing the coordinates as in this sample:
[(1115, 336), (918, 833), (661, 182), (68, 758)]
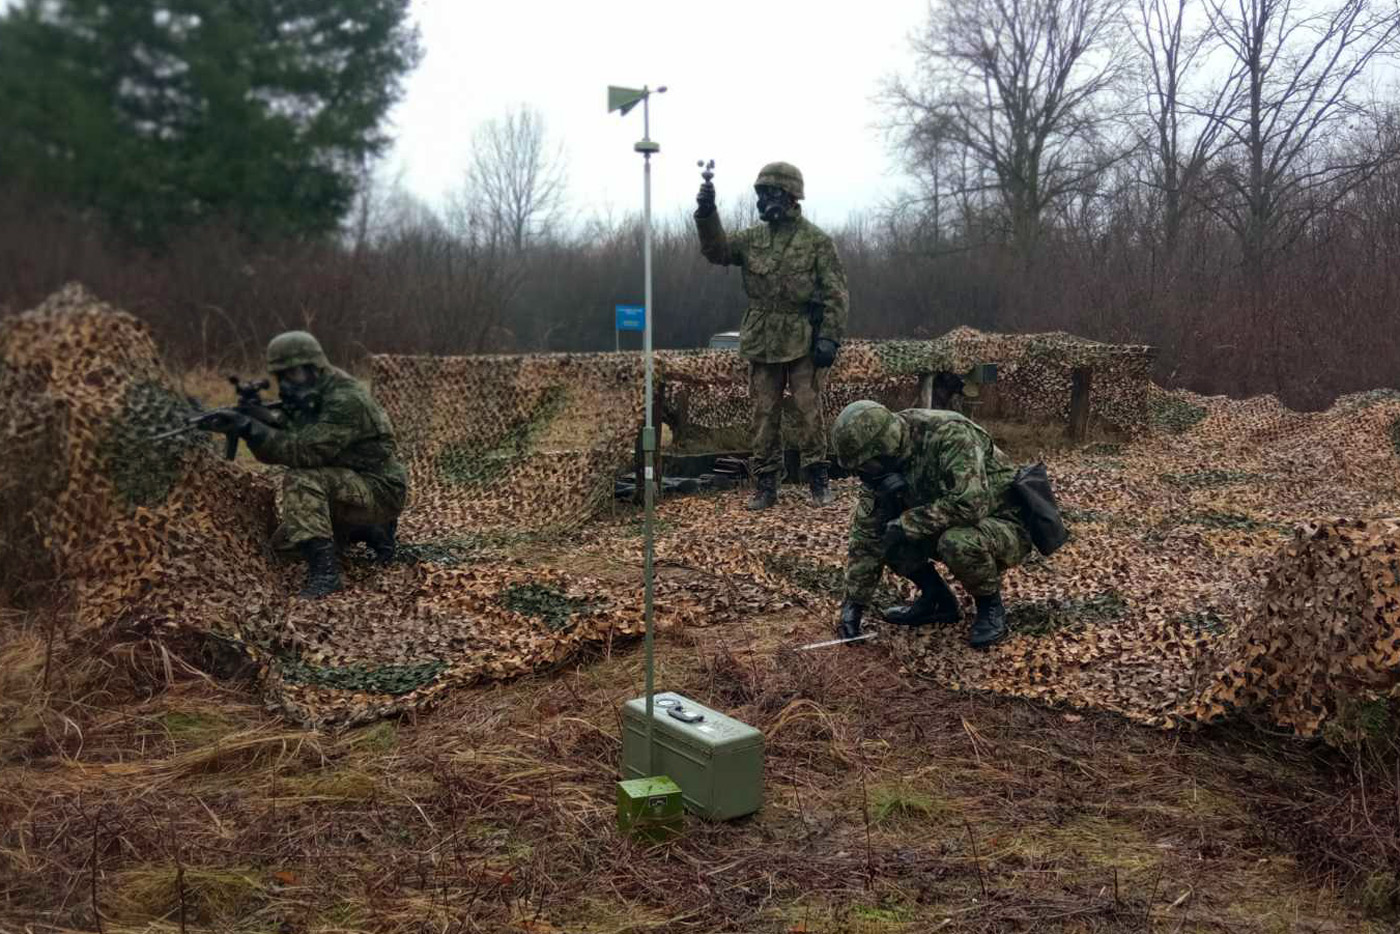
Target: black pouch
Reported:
[(1031, 488)]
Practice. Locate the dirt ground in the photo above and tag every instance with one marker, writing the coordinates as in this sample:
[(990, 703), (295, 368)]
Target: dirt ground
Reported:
[(139, 786)]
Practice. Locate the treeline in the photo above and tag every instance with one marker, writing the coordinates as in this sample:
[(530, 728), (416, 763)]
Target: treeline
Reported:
[(421, 287)]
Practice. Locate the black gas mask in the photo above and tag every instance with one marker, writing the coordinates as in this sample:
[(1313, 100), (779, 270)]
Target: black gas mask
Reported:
[(883, 477), (297, 390), (774, 204)]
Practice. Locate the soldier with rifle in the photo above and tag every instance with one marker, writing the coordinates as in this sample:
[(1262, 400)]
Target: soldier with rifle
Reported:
[(344, 482), (794, 322)]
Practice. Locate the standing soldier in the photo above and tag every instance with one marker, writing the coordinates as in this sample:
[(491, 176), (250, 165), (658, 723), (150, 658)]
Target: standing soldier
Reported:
[(933, 484), (793, 325), (344, 480)]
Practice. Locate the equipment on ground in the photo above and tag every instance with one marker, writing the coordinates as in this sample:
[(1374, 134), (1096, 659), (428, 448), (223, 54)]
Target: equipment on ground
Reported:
[(716, 760), (650, 808)]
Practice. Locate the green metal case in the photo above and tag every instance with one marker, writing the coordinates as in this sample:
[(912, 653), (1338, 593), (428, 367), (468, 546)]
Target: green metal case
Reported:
[(649, 808), (716, 760)]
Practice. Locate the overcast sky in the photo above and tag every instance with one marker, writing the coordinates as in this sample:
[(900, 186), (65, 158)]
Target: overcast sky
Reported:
[(749, 82)]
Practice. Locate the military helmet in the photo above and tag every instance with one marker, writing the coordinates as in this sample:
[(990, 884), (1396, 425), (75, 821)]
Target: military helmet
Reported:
[(866, 430), (782, 175), (295, 348)]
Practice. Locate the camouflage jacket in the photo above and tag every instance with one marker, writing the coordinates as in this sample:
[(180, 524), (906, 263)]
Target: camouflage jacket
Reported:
[(957, 477), (785, 266), (347, 428)]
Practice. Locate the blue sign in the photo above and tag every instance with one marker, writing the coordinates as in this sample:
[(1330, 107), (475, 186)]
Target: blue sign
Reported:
[(631, 318)]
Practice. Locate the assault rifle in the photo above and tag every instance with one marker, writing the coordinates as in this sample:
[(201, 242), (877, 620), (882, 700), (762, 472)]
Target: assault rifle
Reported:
[(250, 402)]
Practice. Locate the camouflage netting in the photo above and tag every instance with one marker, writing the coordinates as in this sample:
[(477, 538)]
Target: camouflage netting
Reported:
[(1198, 581), (708, 390)]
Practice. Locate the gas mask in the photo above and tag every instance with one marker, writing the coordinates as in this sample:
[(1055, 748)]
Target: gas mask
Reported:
[(884, 478), (298, 390), (774, 204)]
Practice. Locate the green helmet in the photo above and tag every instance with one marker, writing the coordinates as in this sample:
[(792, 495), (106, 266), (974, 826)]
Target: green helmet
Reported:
[(295, 348), (782, 175), (865, 430)]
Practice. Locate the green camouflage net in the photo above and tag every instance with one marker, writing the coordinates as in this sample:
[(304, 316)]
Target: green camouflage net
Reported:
[(1190, 587)]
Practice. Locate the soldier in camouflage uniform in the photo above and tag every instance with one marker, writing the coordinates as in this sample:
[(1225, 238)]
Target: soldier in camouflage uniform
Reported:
[(932, 484), (344, 481), (791, 275)]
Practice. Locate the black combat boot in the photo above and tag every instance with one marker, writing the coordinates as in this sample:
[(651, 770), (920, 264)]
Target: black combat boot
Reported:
[(767, 493), (989, 627), (935, 603), (322, 568), (380, 539), (821, 490)]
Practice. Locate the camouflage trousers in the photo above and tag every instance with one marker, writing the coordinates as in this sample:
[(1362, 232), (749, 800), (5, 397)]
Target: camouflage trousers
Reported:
[(806, 383), (323, 501), (976, 555)]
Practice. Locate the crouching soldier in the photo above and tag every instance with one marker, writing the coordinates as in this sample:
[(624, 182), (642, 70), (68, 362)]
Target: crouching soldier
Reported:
[(344, 481), (933, 484)]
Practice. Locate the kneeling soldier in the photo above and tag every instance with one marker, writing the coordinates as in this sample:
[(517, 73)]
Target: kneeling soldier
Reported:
[(345, 481), (932, 484)]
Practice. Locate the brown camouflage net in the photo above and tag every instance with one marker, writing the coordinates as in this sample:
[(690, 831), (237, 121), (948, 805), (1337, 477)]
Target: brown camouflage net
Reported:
[(1198, 581), (708, 390)]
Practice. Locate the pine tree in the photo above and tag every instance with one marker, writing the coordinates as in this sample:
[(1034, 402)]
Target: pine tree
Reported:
[(158, 114)]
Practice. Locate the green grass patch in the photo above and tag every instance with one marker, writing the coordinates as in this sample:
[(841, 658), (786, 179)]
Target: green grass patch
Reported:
[(195, 729), (381, 737), (890, 804), (346, 784), (156, 893), (1395, 435)]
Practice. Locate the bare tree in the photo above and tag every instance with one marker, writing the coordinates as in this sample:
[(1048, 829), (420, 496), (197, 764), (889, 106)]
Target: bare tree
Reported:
[(1180, 140), (515, 182), (1021, 86), (1299, 75)]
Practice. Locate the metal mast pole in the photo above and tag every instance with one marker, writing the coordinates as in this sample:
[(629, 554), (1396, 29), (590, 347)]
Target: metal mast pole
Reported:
[(646, 147)]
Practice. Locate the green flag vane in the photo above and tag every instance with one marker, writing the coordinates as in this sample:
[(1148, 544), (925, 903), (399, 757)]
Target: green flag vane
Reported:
[(624, 99)]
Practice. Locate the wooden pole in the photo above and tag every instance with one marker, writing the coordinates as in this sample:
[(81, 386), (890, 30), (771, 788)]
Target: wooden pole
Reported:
[(1083, 378)]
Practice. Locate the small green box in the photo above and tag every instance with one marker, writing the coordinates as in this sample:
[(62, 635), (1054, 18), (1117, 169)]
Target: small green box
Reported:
[(649, 808), (716, 760)]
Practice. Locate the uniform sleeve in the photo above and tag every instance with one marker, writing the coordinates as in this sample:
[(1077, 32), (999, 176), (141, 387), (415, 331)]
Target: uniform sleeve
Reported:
[(318, 444), (831, 280), (715, 246), (959, 452), (864, 559)]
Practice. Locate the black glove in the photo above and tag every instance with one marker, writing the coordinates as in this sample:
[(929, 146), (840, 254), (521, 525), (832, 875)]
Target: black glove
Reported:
[(226, 422), (256, 433), (850, 620), (824, 354), (893, 537), (705, 200)]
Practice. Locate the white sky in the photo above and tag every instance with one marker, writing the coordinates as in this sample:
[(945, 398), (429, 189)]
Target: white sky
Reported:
[(749, 82)]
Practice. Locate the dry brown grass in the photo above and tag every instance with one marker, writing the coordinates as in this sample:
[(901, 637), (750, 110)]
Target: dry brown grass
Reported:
[(148, 790)]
